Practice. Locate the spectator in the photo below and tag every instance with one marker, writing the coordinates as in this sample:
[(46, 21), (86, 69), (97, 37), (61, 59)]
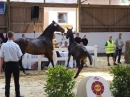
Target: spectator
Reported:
[(1, 41), (55, 45), (77, 38), (84, 40), (0, 46), (23, 35), (65, 44), (119, 45), (109, 47), (81, 44)]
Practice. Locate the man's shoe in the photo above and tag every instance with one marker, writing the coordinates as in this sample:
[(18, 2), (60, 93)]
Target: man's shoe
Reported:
[(109, 64), (119, 62), (114, 64)]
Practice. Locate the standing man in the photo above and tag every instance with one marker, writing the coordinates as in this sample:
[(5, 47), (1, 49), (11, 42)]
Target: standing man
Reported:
[(1, 41), (119, 45), (77, 38), (23, 35), (11, 54), (84, 40), (55, 44), (109, 47)]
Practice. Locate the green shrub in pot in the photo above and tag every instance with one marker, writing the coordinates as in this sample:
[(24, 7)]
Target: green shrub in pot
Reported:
[(120, 86), (60, 82)]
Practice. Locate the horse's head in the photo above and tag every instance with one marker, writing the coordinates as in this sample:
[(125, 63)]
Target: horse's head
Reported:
[(57, 27), (69, 32)]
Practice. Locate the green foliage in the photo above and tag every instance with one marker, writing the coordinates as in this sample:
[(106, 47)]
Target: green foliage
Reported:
[(60, 82), (129, 53), (120, 86)]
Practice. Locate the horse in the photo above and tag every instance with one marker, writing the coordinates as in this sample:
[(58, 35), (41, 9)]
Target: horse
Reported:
[(78, 52), (4, 39), (41, 45)]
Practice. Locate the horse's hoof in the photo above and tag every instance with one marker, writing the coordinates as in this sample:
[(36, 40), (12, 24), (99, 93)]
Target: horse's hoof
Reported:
[(75, 77), (85, 66), (45, 68), (67, 68), (26, 73)]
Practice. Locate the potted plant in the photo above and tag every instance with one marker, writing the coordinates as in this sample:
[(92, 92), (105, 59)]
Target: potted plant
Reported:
[(120, 86), (60, 82)]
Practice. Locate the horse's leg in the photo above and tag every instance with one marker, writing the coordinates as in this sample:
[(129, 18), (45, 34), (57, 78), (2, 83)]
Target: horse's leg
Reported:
[(80, 67), (51, 60), (49, 56), (73, 62), (68, 60), (20, 64)]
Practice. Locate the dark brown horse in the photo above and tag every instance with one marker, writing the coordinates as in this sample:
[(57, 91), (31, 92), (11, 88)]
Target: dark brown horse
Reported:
[(41, 45), (78, 52)]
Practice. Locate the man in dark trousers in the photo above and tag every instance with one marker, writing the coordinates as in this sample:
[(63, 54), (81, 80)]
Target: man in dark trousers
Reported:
[(84, 40), (109, 47), (119, 45), (11, 54), (77, 38)]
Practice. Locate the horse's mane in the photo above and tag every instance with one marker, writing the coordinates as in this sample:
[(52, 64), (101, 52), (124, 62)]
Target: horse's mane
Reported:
[(71, 34), (46, 30)]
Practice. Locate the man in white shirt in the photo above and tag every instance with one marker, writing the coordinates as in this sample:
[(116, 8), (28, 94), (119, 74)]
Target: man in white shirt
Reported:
[(119, 45), (11, 54)]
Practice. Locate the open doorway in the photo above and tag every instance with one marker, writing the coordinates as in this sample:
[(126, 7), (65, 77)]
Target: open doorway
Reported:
[(65, 17)]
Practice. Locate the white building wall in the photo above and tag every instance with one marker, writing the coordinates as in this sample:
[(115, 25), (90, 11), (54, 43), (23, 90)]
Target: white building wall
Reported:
[(53, 15), (97, 38)]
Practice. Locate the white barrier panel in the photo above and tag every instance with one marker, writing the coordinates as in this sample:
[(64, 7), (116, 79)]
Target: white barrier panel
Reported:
[(55, 58), (94, 38), (93, 86)]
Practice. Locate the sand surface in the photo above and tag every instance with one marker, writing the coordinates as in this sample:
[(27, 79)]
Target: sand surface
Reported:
[(32, 85)]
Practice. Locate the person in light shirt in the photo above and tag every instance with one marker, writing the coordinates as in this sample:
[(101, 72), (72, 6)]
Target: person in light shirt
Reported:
[(55, 44), (65, 45), (119, 45), (11, 54)]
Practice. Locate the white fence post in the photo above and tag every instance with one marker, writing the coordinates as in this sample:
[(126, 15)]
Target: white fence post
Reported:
[(54, 57), (39, 62), (95, 55)]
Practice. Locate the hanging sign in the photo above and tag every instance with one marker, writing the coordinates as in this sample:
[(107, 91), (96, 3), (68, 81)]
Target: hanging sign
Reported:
[(2, 7)]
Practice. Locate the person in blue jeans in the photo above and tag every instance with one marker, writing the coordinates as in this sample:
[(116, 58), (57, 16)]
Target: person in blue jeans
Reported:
[(119, 45)]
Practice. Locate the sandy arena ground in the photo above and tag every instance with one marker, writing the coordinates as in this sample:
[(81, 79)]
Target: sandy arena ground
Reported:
[(32, 85)]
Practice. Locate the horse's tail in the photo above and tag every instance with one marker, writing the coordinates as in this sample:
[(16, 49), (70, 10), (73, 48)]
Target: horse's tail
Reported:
[(89, 57)]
